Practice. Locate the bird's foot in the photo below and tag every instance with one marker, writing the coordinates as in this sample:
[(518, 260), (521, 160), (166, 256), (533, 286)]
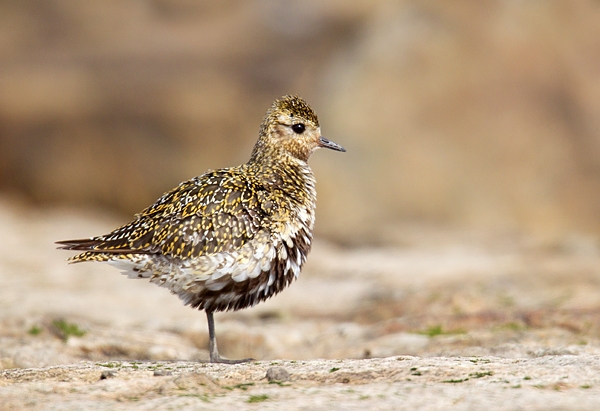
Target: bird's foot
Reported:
[(212, 344), (220, 360)]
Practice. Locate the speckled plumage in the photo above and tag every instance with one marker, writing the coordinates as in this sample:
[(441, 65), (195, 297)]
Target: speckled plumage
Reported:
[(232, 237)]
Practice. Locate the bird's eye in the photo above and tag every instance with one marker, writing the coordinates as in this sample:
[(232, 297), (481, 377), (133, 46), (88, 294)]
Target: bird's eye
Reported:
[(298, 128)]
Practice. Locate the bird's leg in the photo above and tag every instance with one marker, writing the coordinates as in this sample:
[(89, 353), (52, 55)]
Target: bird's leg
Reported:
[(212, 344)]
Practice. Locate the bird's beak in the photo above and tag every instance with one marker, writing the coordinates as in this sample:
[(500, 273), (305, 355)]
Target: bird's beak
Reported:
[(323, 142)]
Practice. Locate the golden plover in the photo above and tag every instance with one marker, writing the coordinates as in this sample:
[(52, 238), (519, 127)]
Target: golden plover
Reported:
[(232, 237)]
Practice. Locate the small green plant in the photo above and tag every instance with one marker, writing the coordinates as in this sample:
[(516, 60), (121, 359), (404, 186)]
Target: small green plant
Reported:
[(456, 381), (108, 364), (436, 330), (479, 360), (481, 374), (257, 398), (334, 369), (512, 326), (65, 330), (243, 386), (202, 397), (432, 331), (35, 330)]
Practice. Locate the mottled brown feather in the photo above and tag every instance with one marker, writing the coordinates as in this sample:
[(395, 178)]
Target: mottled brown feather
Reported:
[(265, 207)]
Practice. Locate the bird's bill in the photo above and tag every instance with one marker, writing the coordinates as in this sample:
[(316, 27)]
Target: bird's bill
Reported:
[(323, 142)]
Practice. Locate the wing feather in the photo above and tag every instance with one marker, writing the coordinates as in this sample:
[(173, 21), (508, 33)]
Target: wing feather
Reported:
[(215, 212)]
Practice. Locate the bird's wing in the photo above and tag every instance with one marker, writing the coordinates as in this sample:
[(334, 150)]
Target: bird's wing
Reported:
[(217, 211)]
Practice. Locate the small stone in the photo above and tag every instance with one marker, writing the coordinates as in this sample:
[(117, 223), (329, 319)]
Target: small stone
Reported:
[(278, 374), (162, 373), (107, 374)]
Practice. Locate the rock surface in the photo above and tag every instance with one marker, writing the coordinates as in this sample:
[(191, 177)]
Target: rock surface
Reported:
[(436, 317), (561, 382)]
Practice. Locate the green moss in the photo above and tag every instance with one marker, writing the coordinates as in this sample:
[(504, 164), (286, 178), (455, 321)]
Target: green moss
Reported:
[(257, 398), (108, 364), (436, 330), (66, 330), (202, 397), (479, 360), (334, 369), (481, 374), (456, 381), (243, 386), (35, 330), (432, 331), (512, 326)]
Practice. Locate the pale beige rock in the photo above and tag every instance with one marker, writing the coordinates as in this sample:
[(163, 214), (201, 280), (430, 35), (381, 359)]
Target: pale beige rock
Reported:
[(562, 382), (491, 320)]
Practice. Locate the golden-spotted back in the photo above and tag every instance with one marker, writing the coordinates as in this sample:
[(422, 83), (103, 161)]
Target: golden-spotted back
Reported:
[(232, 237)]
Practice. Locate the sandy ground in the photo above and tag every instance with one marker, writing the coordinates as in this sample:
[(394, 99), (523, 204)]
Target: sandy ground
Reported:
[(431, 318)]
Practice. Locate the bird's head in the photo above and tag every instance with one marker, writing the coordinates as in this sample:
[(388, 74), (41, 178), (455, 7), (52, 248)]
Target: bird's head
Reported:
[(292, 126)]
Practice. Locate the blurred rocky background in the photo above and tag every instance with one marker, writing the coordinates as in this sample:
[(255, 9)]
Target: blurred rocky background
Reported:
[(473, 114)]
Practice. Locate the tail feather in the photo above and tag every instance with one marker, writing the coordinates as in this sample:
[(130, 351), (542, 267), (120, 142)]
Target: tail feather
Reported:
[(94, 249), (85, 244)]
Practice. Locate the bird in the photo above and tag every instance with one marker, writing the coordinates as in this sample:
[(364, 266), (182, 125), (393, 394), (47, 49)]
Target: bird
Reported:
[(232, 237)]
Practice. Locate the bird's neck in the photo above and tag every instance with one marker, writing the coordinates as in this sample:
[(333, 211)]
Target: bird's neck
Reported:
[(286, 173)]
